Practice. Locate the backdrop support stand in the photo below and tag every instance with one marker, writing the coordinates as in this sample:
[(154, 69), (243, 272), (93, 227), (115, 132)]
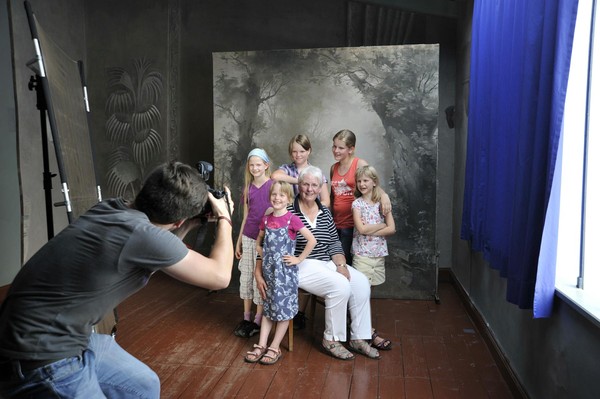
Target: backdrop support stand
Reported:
[(35, 84)]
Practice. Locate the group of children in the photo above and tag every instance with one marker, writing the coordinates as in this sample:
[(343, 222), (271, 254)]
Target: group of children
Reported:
[(362, 213)]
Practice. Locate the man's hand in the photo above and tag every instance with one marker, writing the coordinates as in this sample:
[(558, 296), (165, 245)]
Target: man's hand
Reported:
[(222, 206)]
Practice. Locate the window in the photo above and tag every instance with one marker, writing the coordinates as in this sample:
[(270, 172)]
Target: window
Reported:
[(578, 258)]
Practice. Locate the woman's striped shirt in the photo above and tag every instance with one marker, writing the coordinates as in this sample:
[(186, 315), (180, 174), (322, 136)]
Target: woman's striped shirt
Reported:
[(324, 231)]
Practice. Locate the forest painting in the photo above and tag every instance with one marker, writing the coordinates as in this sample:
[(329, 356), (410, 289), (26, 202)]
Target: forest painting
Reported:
[(387, 95)]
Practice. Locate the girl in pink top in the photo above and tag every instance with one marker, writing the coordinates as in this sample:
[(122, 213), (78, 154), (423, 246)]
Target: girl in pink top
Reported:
[(278, 275)]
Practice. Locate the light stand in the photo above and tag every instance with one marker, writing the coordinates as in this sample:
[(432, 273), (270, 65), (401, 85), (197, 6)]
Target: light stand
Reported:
[(35, 84)]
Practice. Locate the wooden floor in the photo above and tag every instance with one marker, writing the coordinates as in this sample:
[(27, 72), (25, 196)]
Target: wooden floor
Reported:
[(186, 335)]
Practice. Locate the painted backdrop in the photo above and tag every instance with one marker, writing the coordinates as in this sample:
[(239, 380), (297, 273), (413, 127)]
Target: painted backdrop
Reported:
[(388, 96)]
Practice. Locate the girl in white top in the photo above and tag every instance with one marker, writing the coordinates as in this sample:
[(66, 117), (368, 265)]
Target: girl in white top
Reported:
[(369, 244)]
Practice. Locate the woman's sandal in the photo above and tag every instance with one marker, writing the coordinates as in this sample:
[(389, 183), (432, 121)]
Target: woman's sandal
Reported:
[(271, 356), (254, 356), (383, 344), (361, 346), (336, 350)]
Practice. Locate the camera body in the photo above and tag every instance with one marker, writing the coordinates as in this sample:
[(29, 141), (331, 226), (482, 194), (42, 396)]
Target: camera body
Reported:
[(205, 168)]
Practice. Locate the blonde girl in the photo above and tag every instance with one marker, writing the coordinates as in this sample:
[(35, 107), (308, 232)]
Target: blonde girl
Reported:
[(369, 244), (343, 185), (277, 274), (256, 201)]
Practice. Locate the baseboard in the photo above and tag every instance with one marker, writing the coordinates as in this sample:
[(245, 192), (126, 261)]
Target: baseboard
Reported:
[(504, 367)]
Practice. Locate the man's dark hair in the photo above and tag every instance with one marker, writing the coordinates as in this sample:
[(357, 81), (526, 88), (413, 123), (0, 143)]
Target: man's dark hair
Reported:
[(172, 192)]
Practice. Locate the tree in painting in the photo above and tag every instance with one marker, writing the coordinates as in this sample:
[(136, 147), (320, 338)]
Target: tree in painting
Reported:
[(403, 93), (387, 95), (249, 101)]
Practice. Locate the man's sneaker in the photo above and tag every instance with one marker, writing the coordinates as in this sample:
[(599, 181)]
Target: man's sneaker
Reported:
[(299, 321), (241, 328)]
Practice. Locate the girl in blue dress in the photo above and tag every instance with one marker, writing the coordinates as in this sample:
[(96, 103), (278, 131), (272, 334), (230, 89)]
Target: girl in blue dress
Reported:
[(279, 282)]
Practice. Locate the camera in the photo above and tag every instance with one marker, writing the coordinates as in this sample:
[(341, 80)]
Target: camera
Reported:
[(205, 168)]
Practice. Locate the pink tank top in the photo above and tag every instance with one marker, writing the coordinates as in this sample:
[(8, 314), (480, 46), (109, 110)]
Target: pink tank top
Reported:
[(342, 187)]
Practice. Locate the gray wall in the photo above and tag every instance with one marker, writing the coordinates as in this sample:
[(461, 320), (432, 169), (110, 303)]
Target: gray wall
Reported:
[(179, 36), (553, 358), (63, 21), (10, 204)]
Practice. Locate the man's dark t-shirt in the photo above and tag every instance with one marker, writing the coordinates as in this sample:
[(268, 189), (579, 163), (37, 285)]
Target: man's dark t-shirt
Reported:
[(96, 262)]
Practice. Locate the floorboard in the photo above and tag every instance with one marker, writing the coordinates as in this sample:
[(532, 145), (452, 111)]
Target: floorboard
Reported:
[(185, 334)]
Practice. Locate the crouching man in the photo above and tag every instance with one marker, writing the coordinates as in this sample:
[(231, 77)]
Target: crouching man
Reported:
[(47, 347)]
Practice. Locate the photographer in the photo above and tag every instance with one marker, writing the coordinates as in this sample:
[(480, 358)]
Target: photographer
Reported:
[(47, 348)]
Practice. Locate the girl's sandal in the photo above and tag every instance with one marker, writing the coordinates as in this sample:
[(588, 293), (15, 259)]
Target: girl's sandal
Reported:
[(382, 344), (336, 350), (271, 356), (361, 346), (255, 355)]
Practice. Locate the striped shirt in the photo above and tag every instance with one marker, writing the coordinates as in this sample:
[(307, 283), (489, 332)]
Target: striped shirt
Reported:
[(324, 231)]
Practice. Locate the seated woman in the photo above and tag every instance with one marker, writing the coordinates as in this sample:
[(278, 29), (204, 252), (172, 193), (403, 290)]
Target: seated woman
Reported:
[(325, 273)]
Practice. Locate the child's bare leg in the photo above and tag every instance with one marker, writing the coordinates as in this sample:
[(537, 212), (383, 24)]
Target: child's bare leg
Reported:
[(265, 330), (259, 350), (280, 330), (259, 314), (247, 309), (273, 352)]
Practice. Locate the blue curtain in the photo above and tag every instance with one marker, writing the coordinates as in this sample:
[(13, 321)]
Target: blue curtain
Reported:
[(546, 274), (519, 68)]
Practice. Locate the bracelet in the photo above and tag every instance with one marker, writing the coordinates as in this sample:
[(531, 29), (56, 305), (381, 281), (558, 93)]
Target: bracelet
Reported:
[(225, 218), (342, 265)]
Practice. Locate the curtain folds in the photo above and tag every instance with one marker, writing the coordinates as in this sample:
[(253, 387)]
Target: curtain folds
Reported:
[(519, 68)]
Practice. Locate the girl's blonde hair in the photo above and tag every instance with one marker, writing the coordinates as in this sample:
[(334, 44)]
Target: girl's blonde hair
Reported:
[(285, 188), (371, 173), (347, 136), (300, 139), (248, 178)]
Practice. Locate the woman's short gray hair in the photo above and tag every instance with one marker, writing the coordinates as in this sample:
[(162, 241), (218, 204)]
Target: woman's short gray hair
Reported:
[(312, 171)]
